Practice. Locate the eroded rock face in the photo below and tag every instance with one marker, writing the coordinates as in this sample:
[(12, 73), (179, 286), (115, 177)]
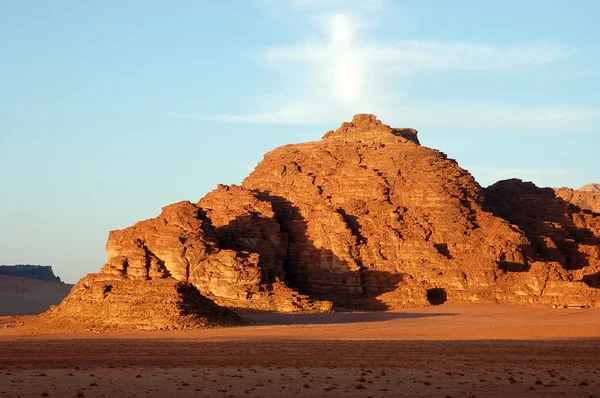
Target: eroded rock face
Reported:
[(559, 230), (228, 246), (377, 221)]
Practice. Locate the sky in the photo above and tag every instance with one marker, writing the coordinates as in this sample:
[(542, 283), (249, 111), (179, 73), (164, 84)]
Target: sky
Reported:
[(110, 110)]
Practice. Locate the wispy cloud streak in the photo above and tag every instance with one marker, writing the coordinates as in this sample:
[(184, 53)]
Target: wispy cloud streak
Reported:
[(342, 72)]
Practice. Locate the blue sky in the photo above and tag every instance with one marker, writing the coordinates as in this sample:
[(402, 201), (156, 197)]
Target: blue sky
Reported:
[(110, 110)]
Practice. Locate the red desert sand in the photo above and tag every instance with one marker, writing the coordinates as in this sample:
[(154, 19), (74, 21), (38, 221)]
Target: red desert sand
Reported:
[(452, 350)]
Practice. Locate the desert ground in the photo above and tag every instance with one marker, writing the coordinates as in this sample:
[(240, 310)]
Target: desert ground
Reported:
[(445, 351)]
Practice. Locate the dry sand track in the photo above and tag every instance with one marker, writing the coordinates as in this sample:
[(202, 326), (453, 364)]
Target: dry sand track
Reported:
[(450, 350)]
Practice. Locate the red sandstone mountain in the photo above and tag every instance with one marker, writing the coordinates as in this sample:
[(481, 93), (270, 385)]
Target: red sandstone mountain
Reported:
[(365, 218), (376, 220)]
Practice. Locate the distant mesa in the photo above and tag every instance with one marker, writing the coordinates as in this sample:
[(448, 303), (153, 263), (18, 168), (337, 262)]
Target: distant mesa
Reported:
[(590, 188), (364, 219), (39, 272), (587, 198)]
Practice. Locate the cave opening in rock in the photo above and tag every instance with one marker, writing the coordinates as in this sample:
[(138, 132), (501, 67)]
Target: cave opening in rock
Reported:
[(437, 296)]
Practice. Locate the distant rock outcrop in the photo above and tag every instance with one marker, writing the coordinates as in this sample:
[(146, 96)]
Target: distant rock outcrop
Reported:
[(365, 218), (587, 199), (39, 272), (590, 188)]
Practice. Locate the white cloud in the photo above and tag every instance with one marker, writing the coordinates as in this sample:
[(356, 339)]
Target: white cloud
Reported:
[(330, 78)]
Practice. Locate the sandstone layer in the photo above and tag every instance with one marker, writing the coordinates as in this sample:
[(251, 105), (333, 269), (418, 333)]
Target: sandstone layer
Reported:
[(366, 218)]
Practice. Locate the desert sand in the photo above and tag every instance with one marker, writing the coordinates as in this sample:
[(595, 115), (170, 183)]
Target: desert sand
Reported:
[(450, 350)]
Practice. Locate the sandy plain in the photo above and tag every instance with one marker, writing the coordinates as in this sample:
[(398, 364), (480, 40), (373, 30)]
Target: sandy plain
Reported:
[(443, 351)]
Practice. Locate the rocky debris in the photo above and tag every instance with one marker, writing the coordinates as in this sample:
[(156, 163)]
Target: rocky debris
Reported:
[(560, 232), (39, 272), (590, 188), (101, 302)]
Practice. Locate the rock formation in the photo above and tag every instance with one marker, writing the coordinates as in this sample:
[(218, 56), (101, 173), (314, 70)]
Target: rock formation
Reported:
[(101, 302), (235, 257), (585, 199), (590, 188), (377, 221), (558, 228), (365, 218), (39, 272)]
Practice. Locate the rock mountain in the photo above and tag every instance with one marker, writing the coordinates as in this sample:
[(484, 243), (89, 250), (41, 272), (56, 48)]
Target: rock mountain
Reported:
[(366, 218)]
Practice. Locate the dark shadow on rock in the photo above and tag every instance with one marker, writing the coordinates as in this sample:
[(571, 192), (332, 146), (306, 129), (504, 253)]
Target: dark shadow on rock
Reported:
[(437, 296), (315, 272), (543, 217), (255, 233), (332, 318), (529, 254), (442, 248), (592, 280), (353, 224)]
